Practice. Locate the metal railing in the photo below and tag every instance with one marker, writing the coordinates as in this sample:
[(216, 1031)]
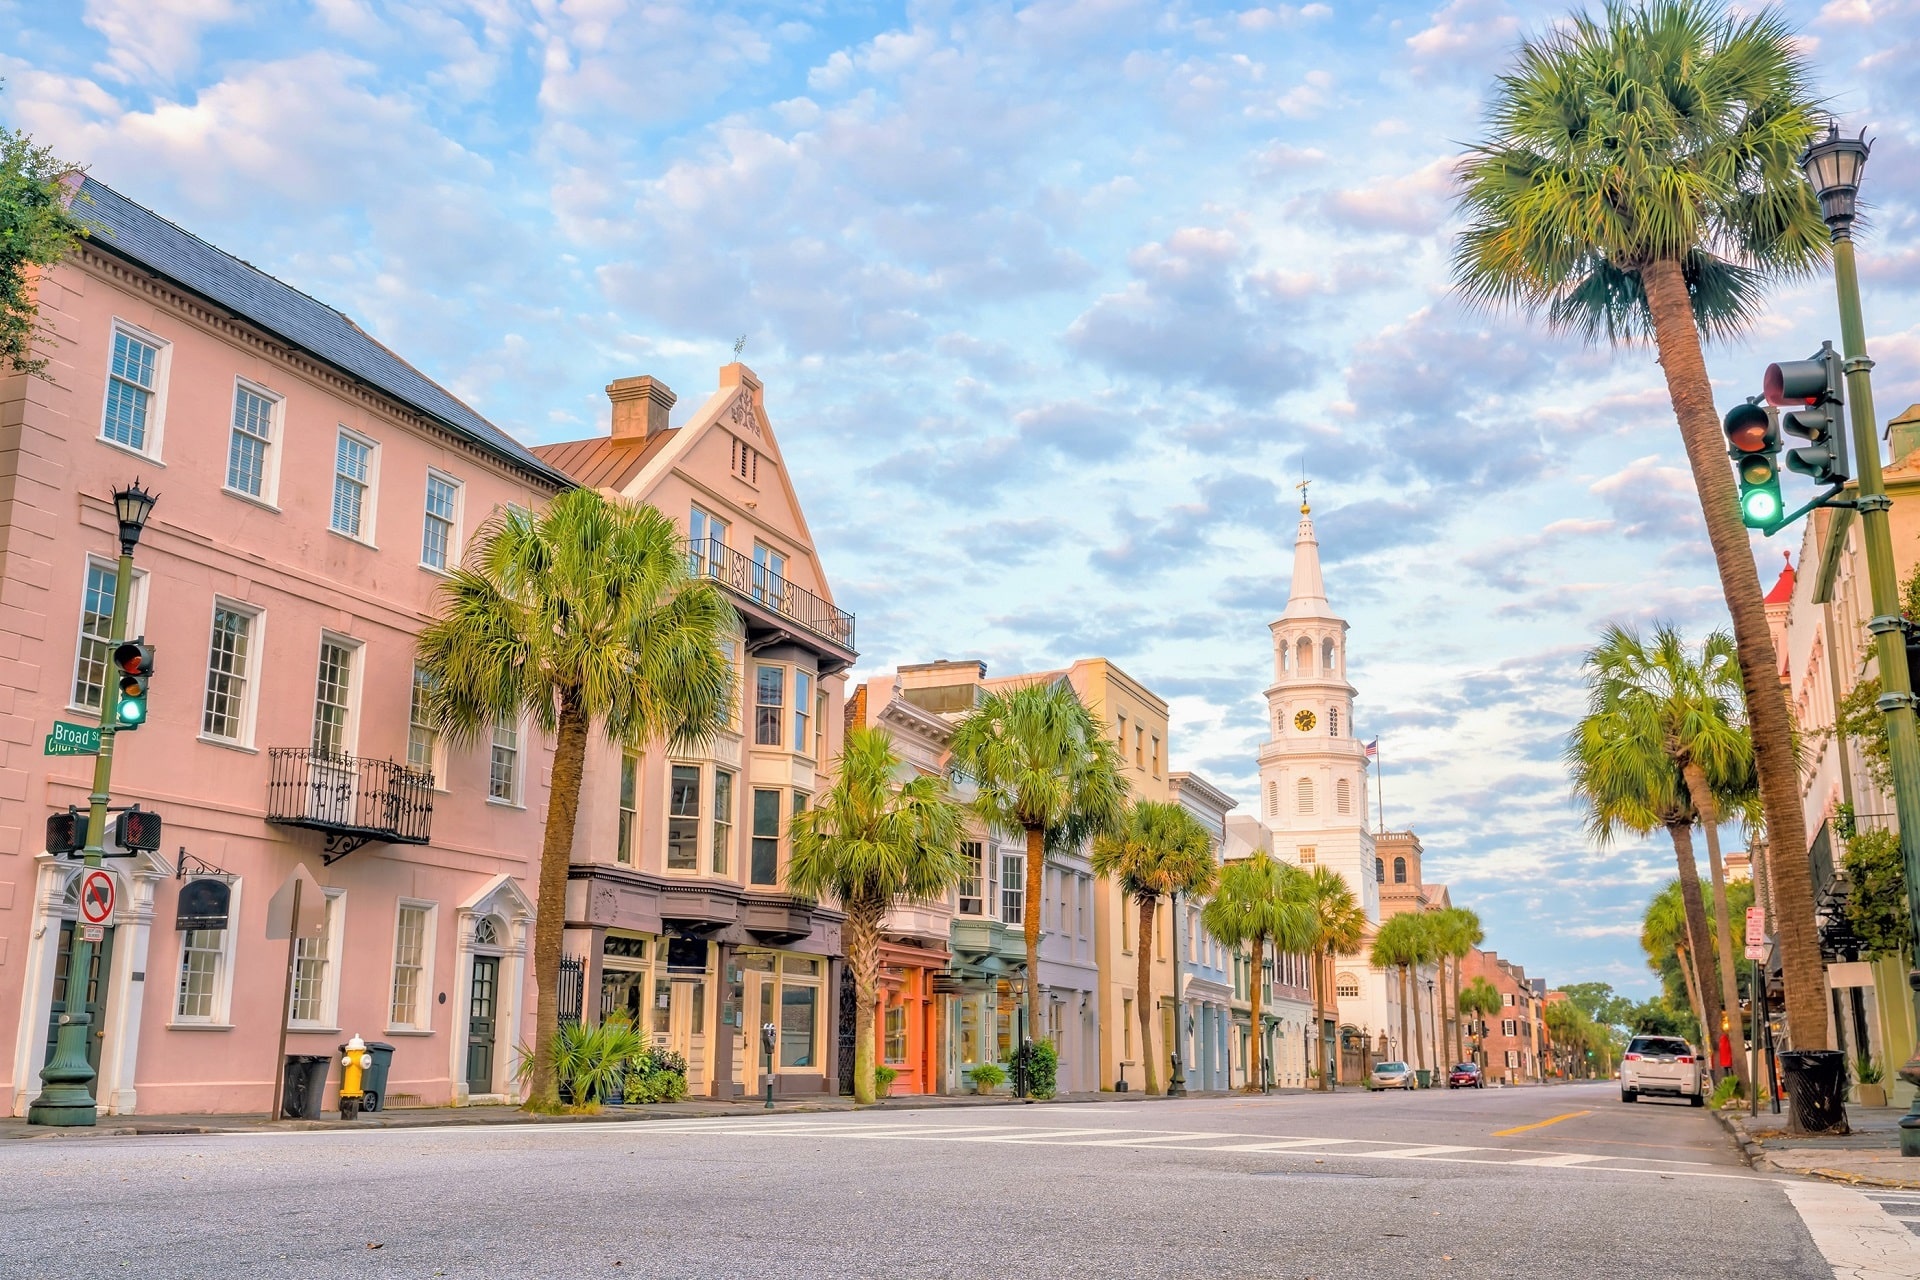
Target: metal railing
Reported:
[(370, 799), (714, 560)]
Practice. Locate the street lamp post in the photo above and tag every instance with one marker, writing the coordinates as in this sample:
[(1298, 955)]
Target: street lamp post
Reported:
[(1177, 1076), (1833, 165), (66, 1082)]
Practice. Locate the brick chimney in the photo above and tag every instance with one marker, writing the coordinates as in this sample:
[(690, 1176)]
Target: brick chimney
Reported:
[(640, 407)]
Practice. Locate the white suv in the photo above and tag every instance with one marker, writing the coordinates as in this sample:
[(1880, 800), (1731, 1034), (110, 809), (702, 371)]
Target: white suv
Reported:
[(1663, 1065)]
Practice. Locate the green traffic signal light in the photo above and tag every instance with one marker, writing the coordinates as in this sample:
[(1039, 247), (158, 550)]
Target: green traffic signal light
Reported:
[(1753, 441), (133, 661)]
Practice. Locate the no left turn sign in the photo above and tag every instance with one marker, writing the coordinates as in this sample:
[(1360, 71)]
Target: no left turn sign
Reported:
[(96, 897)]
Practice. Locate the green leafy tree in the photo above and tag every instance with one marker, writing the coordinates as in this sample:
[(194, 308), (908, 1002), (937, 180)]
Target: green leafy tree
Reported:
[(1598, 1001), (1859, 720), (1158, 850), (1458, 931), (1877, 897), (1336, 925), (880, 834), (581, 619), (1255, 905), (1667, 940), (1639, 180), (1478, 1001), (1044, 771), (36, 231)]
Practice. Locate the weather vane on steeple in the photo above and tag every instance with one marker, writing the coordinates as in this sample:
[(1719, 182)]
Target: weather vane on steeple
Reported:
[(1302, 487)]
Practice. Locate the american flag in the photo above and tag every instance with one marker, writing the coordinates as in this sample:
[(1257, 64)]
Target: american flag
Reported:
[(1373, 748)]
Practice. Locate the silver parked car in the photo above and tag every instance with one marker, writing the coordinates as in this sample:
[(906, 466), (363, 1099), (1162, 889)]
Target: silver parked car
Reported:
[(1391, 1075)]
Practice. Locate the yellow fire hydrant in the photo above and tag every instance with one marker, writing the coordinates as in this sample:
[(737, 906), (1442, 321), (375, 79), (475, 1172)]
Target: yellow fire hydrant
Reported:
[(356, 1063)]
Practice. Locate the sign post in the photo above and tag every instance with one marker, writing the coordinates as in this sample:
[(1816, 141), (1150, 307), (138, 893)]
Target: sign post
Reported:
[(72, 740), (288, 917), (1756, 999)]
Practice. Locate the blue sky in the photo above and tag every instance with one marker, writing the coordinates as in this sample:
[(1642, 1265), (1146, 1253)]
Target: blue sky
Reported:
[(1053, 302)]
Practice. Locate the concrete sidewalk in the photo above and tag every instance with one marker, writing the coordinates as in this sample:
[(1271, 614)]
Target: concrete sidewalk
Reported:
[(1867, 1157), (480, 1116)]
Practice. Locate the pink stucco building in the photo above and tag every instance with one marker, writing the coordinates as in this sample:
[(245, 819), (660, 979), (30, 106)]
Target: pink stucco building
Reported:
[(314, 489)]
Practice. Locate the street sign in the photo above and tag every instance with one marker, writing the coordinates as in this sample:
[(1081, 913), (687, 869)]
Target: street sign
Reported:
[(72, 740), (96, 897), (92, 933), (1756, 934), (310, 902)]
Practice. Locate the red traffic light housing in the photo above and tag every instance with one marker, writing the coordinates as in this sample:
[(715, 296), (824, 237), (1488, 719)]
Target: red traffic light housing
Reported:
[(133, 664), (137, 829), (1816, 391)]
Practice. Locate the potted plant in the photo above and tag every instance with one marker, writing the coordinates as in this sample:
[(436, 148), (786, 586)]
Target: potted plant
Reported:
[(987, 1077), (883, 1078), (1872, 1092)]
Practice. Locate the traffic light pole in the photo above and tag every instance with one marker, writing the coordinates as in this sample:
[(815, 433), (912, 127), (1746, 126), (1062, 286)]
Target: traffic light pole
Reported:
[(66, 1095), (1896, 700)]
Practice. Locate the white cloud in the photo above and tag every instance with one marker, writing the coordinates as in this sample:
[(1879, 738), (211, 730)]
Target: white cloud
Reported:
[(155, 40)]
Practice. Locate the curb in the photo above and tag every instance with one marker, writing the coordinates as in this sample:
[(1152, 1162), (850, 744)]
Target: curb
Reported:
[(1750, 1151), (1757, 1158)]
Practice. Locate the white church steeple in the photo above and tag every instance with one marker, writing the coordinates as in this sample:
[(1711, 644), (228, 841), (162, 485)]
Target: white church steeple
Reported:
[(1307, 597)]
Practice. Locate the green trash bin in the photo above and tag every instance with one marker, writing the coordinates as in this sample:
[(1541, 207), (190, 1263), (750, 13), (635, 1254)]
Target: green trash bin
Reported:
[(375, 1081), (1425, 1077)]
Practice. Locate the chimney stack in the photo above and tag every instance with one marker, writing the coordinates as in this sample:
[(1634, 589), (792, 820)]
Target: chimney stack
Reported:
[(640, 407)]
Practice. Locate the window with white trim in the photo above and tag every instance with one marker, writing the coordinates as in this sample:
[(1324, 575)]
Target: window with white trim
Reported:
[(232, 651), (721, 855), (440, 526), (353, 464), (769, 695), (1013, 888), (200, 997), (93, 651), (423, 737), (802, 710), (1509, 1027), (333, 699), (412, 952), (972, 860), (135, 371), (503, 766), (706, 543), (250, 443), (1308, 853), (316, 970), (629, 808), (683, 818)]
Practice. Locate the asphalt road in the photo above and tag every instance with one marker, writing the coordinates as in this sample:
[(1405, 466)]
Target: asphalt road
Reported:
[(1560, 1181)]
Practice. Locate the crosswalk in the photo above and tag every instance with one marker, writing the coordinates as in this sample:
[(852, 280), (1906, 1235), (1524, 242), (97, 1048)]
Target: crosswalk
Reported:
[(1902, 1206), (1864, 1235), (1320, 1149)]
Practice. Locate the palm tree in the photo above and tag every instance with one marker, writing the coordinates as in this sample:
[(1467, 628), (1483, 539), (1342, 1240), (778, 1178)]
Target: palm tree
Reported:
[(1337, 926), (1629, 782), (580, 619), (1253, 906), (1044, 771), (1479, 999), (1159, 849), (1459, 932), (875, 838), (1639, 181), (1394, 948), (1664, 693)]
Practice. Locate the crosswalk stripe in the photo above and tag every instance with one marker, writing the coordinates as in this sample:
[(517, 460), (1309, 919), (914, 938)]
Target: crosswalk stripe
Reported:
[(1561, 1161), (1416, 1153)]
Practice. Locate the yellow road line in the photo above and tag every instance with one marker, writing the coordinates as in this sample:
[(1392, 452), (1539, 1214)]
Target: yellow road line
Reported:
[(1539, 1124)]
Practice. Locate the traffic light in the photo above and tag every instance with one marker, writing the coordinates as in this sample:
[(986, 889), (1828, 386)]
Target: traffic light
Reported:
[(133, 666), (1753, 442), (137, 829), (66, 833), (1817, 385)]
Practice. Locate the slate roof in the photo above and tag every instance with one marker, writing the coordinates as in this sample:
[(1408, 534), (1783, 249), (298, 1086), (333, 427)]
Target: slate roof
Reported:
[(131, 231)]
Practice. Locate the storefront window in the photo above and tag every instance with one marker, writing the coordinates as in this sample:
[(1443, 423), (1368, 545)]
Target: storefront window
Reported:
[(662, 1007), (798, 1007), (969, 1021)]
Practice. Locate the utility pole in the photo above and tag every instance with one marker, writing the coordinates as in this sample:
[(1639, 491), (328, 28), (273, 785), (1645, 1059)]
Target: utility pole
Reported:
[(66, 1095)]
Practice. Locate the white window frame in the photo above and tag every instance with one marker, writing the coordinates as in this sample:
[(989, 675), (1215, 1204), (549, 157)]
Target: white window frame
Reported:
[(249, 698), (437, 757), (626, 843), (1018, 886), (369, 500), (269, 495), (356, 683), (157, 415), (427, 518), (423, 996), (519, 800), (136, 625), (329, 1019), (221, 1016)]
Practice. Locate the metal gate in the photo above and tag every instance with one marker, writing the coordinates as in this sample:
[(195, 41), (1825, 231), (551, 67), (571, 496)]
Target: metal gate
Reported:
[(573, 987), (845, 1039)]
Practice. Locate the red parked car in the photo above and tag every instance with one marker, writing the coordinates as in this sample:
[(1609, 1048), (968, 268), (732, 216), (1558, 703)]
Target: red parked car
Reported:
[(1466, 1075)]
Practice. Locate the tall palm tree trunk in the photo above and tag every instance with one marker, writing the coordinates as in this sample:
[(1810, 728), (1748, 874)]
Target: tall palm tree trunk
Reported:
[(1257, 1043), (1699, 936), (1143, 982), (550, 904), (1406, 1044), (1329, 1070), (1030, 922), (1439, 1037), (1316, 1067), (864, 918), (1413, 978), (1702, 796), (1678, 340)]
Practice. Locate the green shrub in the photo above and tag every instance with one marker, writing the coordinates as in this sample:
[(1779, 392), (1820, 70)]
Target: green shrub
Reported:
[(987, 1077), (1727, 1091), (1865, 1072), (883, 1078), (1043, 1069)]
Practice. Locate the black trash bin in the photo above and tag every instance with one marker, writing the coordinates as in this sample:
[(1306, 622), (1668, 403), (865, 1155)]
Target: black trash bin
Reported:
[(375, 1081), (305, 1087), (1817, 1089)]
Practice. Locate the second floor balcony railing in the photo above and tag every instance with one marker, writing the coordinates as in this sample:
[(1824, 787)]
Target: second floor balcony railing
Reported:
[(754, 580), (349, 800)]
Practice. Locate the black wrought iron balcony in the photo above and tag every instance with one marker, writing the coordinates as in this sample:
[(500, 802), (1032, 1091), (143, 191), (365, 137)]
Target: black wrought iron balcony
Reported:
[(350, 801), (767, 594)]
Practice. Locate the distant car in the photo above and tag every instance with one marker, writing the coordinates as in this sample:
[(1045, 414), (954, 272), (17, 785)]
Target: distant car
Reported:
[(1392, 1075), (1466, 1075), (1665, 1066)]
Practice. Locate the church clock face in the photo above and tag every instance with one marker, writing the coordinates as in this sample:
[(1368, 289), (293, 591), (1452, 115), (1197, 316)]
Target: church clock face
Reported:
[(1303, 721)]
